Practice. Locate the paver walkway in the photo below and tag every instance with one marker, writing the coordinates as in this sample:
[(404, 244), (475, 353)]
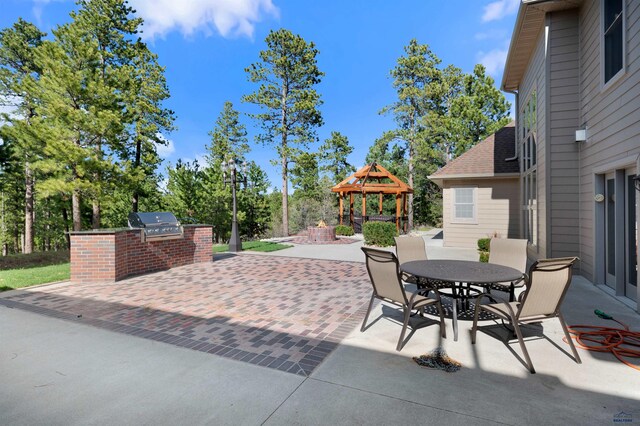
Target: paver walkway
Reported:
[(282, 313)]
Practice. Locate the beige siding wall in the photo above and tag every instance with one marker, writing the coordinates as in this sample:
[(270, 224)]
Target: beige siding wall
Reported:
[(612, 115), (561, 150), (498, 211), (535, 80)]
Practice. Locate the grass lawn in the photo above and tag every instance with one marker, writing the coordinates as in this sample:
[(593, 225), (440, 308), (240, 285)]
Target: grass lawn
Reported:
[(263, 246), (18, 278), (24, 270)]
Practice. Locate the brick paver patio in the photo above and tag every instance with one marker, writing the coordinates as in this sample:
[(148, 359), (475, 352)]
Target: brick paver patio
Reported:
[(279, 312)]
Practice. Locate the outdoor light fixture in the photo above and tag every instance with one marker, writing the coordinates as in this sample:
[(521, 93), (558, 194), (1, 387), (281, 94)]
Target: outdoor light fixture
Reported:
[(235, 176)]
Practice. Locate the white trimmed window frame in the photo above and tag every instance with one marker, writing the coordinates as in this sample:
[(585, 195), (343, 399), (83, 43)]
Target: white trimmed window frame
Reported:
[(606, 84), (473, 220)]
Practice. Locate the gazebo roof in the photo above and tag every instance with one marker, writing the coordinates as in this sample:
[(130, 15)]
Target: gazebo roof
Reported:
[(369, 180)]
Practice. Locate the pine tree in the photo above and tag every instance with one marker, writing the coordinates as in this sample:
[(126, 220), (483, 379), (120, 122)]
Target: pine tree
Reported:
[(416, 79), (287, 73), (333, 157), (18, 71)]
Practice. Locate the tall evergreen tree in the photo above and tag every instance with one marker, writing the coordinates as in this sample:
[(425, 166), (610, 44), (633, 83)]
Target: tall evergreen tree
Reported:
[(18, 71), (287, 73), (333, 157), (416, 79), (228, 141)]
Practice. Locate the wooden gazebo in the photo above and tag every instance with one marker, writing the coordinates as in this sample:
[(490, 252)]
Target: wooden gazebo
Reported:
[(374, 179)]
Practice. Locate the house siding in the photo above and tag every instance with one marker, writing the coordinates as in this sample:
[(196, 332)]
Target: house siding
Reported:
[(561, 150), (612, 117), (498, 211)]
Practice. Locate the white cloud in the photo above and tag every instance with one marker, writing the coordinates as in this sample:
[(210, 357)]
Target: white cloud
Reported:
[(202, 159), (493, 60), (492, 34), (499, 9), (165, 150), (228, 17)]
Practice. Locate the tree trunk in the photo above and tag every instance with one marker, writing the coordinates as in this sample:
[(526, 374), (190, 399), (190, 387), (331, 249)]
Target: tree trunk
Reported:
[(412, 143), (95, 221), (285, 180), (65, 219), (28, 210), (135, 200), (285, 193), (75, 210)]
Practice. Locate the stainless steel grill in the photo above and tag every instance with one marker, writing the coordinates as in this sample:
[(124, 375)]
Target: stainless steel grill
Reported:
[(156, 226)]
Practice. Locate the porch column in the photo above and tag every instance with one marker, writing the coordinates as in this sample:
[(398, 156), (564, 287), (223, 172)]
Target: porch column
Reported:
[(341, 208), (380, 204)]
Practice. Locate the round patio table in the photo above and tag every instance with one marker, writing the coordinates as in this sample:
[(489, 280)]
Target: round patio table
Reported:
[(461, 274)]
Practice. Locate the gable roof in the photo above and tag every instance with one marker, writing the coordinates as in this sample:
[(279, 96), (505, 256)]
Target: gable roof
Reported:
[(372, 178), (485, 159), (529, 23)]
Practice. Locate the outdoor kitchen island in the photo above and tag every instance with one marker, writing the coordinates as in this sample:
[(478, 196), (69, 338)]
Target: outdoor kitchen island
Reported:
[(113, 254)]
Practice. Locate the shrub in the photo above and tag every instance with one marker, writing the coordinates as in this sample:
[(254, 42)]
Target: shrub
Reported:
[(379, 233), (344, 230), (483, 244), (483, 249)]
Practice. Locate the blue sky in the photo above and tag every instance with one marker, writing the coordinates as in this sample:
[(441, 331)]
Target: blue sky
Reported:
[(205, 46)]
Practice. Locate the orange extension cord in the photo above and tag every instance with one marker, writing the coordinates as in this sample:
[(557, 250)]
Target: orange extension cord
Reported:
[(620, 342)]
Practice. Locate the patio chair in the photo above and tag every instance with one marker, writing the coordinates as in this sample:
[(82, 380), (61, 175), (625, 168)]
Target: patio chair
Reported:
[(409, 249), (387, 285), (508, 252), (546, 287)]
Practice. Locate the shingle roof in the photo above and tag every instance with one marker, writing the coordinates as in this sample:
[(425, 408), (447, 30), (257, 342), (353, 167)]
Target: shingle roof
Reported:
[(486, 157)]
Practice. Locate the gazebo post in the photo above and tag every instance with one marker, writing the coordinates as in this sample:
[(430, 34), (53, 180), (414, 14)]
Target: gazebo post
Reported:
[(405, 206), (398, 212), (351, 211), (380, 204), (364, 206), (341, 195)]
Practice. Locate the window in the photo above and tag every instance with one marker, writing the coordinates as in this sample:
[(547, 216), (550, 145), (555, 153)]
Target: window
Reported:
[(528, 123), (464, 205), (613, 38)]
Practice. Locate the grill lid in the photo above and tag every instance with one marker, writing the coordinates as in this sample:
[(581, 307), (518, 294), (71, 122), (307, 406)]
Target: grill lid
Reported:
[(156, 225), (147, 219)]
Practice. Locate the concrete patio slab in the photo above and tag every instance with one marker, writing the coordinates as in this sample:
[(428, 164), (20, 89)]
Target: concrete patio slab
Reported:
[(64, 372), (57, 372)]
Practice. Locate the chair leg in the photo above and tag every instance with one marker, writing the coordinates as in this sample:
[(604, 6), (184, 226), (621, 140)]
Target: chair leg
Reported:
[(443, 328), (364, 322), (407, 312), (522, 346), (569, 339), (512, 293), (474, 329)]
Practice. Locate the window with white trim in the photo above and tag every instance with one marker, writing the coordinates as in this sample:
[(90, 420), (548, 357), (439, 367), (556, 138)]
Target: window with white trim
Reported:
[(464, 204), (613, 36)]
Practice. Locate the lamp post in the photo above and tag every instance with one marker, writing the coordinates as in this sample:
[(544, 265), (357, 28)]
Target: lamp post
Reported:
[(235, 245)]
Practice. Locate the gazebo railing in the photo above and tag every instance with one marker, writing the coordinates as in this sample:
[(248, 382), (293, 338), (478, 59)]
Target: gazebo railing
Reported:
[(358, 221)]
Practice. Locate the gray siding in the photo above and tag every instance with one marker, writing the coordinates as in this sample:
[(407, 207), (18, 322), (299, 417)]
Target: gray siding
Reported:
[(562, 152), (612, 115)]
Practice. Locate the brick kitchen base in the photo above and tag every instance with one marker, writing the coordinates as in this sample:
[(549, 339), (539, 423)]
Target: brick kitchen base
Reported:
[(113, 254)]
